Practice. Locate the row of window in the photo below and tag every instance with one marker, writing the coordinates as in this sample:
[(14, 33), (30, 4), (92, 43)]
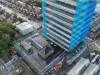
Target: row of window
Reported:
[(66, 5), (57, 32), (60, 10), (60, 17), (59, 23), (55, 40), (56, 26), (58, 38)]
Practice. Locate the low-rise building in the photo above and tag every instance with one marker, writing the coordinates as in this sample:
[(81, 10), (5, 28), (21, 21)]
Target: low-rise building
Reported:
[(39, 42), (91, 70), (79, 67), (25, 45), (40, 59), (44, 48), (36, 25), (24, 28)]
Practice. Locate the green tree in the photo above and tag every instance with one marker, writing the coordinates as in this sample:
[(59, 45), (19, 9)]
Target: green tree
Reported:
[(6, 35), (20, 19), (12, 34), (37, 3)]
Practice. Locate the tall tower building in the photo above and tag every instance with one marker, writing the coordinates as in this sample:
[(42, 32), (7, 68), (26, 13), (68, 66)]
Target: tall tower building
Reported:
[(66, 22)]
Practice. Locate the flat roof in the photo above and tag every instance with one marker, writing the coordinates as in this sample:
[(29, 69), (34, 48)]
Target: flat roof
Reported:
[(91, 69), (26, 45), (40, 41), (3, 68), (45, 54), (40, 63), (24, 26), (75, 70), (35, 59), (36, 25)]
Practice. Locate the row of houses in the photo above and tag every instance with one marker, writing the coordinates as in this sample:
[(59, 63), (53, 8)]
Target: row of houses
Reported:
[(23, 8), (22, 27), (9, 17)]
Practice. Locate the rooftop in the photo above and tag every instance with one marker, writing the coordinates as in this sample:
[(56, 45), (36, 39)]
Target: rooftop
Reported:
[(37, 25), (91, 69), (26, 45), (75, 70), (40, 41), (24, 25), (39, 63), (34, 59)]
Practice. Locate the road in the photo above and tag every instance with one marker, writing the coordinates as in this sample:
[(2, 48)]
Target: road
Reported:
[(97, 43), (94, 45)]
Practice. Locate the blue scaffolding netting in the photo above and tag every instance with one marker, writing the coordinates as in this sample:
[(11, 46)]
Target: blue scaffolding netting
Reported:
[(44, 17), (82, 21)]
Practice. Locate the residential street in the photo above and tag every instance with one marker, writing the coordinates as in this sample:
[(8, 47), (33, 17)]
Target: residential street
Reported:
[(36, 25)]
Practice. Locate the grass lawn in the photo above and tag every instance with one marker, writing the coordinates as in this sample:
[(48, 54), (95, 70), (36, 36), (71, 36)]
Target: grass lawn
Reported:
[(25, 73)]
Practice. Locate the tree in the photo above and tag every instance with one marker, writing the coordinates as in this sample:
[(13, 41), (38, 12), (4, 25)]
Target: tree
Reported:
[(37, 3), (6, 35), (0, 35), (20, 19), (12, 34)]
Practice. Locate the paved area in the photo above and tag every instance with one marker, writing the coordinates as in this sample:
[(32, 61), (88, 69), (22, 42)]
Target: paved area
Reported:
[(97, 43), (3, 68)]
